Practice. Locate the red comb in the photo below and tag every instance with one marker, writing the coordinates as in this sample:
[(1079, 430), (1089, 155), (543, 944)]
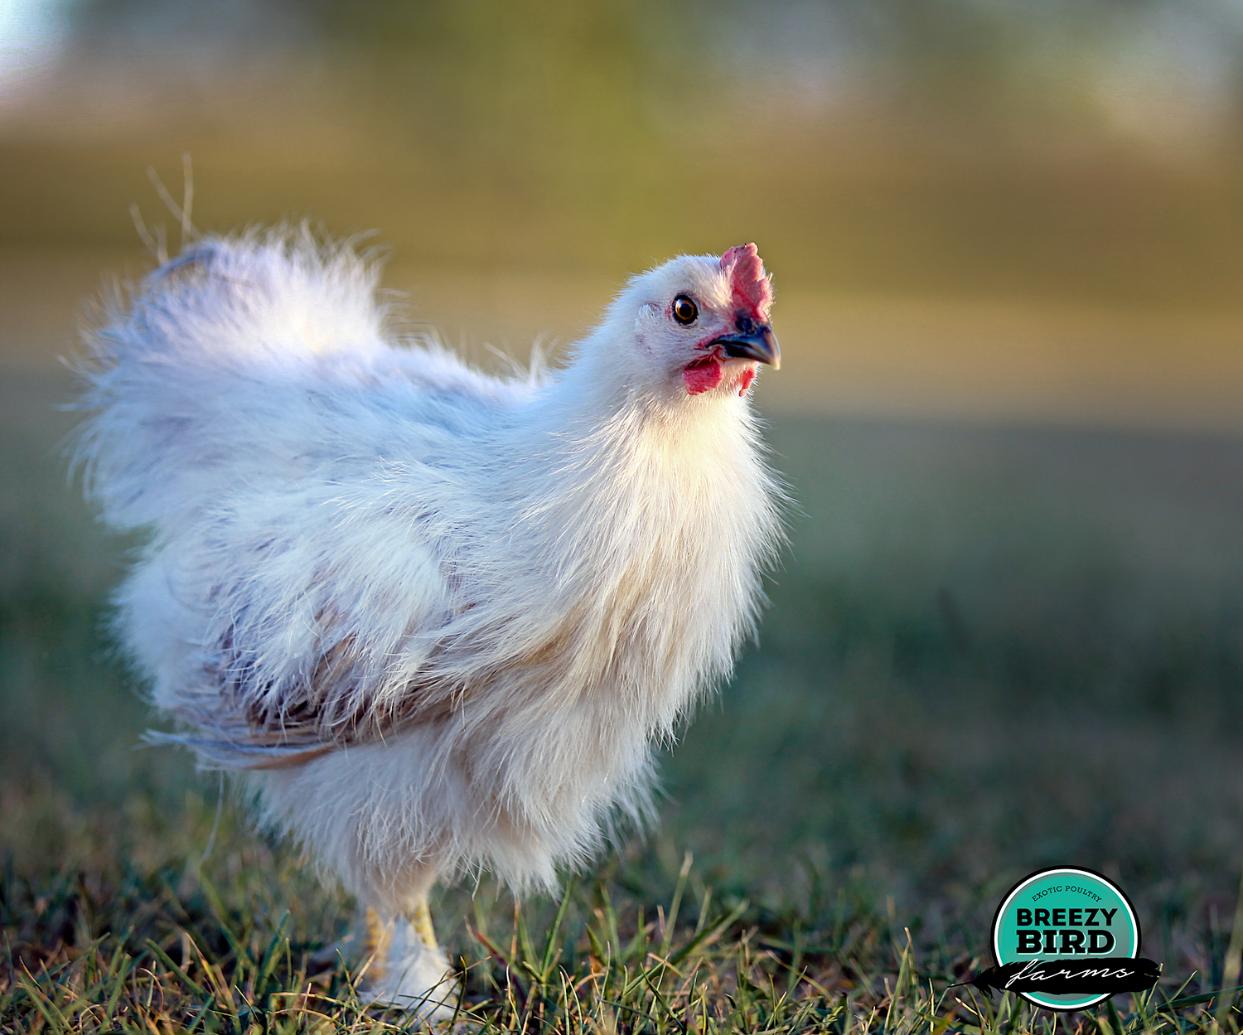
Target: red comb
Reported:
[(751, 288)]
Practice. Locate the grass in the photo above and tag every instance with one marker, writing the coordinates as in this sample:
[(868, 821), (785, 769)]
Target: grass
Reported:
[(991, 650)]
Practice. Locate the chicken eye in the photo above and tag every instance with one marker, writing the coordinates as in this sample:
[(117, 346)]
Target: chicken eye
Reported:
[(685, 311)]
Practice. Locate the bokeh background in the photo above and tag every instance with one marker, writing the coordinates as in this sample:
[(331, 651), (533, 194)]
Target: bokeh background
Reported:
[(1008, 248)]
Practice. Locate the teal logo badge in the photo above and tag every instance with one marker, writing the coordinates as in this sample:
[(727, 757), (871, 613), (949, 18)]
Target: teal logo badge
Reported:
[(1067, 938)]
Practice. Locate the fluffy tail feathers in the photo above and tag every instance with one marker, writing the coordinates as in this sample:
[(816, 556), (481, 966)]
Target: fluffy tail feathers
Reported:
[(192, 361)]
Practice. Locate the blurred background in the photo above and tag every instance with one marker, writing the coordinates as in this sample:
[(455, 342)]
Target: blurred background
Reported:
[(1008, 248)]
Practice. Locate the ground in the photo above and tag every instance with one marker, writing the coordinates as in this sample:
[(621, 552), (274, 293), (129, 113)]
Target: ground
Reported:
[(989, 650)]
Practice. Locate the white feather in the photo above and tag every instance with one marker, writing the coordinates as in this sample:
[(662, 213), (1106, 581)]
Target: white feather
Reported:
[(443, 616)]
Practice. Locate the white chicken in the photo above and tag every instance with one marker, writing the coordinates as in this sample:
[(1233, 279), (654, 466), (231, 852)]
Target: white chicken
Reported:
[(438, 618)]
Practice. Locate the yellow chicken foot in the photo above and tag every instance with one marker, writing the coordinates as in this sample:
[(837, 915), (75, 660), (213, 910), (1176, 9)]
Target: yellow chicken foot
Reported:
[(421, 918), (377, 940)]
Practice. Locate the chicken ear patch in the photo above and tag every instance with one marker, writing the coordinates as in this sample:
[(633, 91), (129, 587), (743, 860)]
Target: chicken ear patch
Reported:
[(750, 286)]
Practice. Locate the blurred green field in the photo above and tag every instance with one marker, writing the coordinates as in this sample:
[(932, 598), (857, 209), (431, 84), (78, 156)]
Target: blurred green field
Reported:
[(989, 649)]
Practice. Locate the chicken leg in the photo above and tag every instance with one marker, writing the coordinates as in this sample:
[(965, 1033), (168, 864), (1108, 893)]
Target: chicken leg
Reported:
[(404, 966)]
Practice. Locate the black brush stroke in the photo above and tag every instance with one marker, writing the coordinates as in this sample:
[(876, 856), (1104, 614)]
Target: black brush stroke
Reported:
[(1138, 975)]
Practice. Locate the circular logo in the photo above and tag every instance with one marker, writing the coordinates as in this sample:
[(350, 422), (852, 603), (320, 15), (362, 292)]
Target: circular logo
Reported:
[(1052, 923)]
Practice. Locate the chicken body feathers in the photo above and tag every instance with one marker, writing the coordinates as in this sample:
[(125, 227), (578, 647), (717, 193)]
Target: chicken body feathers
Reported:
[(442, 615)]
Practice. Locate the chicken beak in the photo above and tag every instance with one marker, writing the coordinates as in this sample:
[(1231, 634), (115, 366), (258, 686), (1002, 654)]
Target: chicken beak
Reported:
[(757, 342)]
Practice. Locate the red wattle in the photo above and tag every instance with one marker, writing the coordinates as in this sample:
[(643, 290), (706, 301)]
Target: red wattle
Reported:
[(702, 375), (744, 382)]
